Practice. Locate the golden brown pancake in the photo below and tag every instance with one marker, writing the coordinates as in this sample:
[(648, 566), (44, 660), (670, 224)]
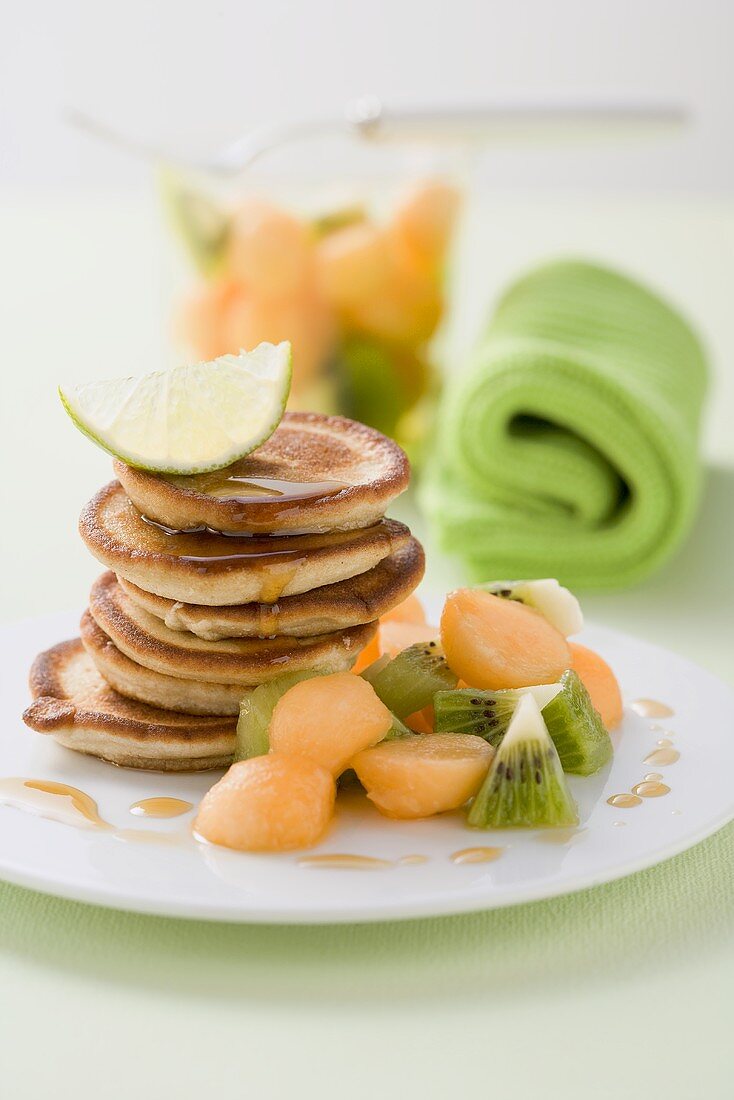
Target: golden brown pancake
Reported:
[(321, 611), (315, 474), (76, 706), (146, 639), (138, 682), (218, 570)]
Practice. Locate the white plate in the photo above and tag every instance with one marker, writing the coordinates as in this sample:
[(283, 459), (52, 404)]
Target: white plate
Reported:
[(186, 879)]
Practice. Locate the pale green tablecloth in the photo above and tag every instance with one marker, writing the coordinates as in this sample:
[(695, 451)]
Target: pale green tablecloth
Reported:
[(625, 990)]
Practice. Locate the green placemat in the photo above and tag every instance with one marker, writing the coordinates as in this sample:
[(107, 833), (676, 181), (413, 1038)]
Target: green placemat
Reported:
[(686, 903)]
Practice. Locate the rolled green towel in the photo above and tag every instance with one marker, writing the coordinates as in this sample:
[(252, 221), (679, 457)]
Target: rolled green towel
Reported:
[(569, 446)]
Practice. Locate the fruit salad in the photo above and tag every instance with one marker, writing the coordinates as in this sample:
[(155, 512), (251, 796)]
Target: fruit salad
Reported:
[(487, 714), (359, 299)]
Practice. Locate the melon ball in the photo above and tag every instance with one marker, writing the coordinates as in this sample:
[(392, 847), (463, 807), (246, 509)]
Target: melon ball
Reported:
[(304, 319), (600, 682), (425, 220), (328, 719), (202, 322), (492, 643), (269, 249), (353, 264), (406, 310), (423, 775), (268, 804)]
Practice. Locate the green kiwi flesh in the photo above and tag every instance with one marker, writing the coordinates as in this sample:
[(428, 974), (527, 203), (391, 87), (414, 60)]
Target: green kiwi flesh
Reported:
[(409, 681), (525, 785), (582, 742), (485, 714)]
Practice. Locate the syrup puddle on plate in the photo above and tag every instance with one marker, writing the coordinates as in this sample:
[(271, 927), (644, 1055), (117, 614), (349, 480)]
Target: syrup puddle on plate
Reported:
[(70, 806), (662, 756), (650, 788), (344, 861), (476, 855), (161, 806), (624, 801), (56, 801), (651, 708)]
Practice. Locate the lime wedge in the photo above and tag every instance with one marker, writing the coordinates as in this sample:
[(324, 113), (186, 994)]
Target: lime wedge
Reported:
[(190, 419)]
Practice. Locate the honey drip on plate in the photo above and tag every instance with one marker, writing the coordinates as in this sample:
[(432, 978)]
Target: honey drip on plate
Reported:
[(651, 708), (160, 807), (227, 484), (650, 788), (413, 859), (57, 801), (70, 806), (345, 862), (662, 757), (624, 801), (476, 855)]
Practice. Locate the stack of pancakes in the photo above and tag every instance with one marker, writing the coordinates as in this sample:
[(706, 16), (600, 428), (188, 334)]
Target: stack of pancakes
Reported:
[(219, 582)]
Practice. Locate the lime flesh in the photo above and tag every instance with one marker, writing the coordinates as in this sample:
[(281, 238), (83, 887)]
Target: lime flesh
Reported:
[(187, 420)]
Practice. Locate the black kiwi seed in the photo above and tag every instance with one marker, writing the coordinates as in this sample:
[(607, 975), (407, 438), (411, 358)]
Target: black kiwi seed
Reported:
[(538, 777)]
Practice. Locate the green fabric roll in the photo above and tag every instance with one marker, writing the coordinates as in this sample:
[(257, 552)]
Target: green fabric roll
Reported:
[(569, 447)]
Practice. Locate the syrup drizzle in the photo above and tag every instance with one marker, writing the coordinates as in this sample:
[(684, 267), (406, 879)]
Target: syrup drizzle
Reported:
[(160, 806), (651, 708), (56, 801), (344, 861), (227, 485), (476, 855)]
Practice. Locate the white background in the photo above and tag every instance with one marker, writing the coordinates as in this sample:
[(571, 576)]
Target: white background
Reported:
[(200, 73)]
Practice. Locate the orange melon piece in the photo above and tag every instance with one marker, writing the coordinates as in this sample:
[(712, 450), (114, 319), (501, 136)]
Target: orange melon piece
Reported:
[(422, 721), (406, 310), (368, 655), (396, 636), (409, 611), (495, 643), (202, 321), (600, 682), (353, 264), (269, 248), (417, 777), (329, 719), (425, 220), (268, 804), (305, 319)]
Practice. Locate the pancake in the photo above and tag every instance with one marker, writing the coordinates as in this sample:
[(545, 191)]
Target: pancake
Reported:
[(321, 611), (138, 682), (74, 704), (216, 570), (247, 662), (315, 474)]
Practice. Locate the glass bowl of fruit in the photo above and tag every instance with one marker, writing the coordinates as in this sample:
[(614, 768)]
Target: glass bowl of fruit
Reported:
[(358, 287)]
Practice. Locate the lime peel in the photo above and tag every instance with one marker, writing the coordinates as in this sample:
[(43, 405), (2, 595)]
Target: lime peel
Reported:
[(191, 419)]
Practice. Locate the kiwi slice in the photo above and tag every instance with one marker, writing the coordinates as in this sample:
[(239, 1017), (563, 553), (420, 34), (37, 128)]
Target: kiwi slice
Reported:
[(256, 710), (408, 682), (554, 602), (581, 740), (525, 785), (486, 714)]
